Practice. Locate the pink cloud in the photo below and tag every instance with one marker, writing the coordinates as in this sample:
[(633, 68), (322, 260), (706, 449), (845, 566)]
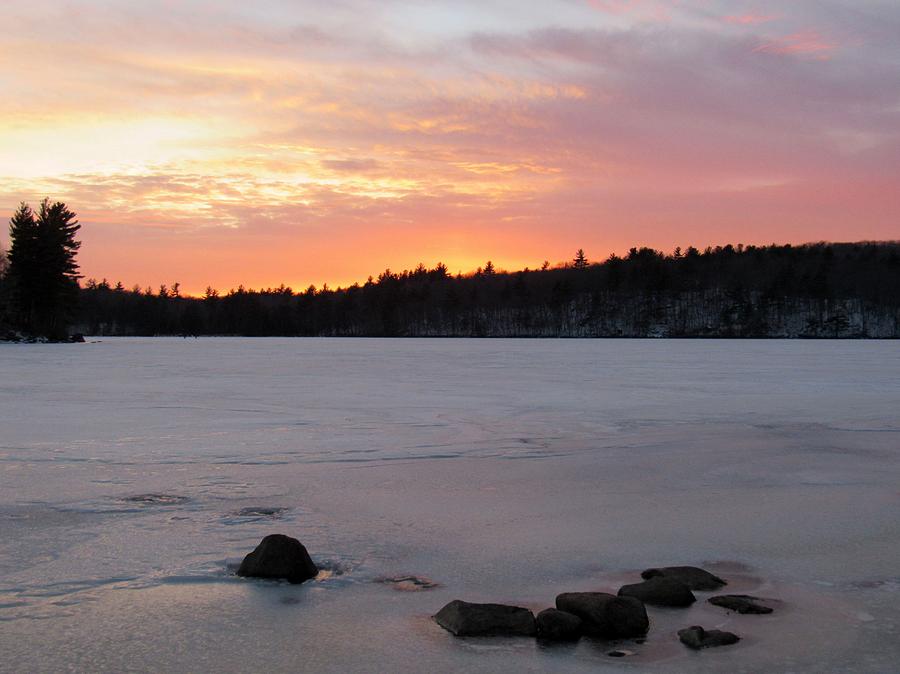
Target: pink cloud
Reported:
[(804, 43), (654, 10), (285, 147), (749, 19)]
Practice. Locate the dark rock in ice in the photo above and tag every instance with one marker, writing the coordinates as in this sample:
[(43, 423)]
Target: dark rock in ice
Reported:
[(606, 615), (741, 603), (695, 578), (465, 619), (556, 625), (696, 637), (77, 338), (660, 591), (279, 556)]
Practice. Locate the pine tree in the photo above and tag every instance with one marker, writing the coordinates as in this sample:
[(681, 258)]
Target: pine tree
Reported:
[(489, 269), (23, 265), (43, 271), (4, 292), (580, 261)]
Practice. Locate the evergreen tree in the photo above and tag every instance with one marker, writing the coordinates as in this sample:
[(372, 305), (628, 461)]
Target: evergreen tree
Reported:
[(4, 292), (23, 265), (580, 261), (42, 268)]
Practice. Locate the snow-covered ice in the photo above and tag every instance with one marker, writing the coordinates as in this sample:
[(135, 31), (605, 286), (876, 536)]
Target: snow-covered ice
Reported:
[(135, 473)]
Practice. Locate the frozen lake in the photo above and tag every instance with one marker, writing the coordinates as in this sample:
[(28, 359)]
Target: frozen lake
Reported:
[(501, 470)]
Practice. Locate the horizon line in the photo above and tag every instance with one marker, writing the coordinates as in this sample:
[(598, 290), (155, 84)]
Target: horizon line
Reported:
[(555, 266)]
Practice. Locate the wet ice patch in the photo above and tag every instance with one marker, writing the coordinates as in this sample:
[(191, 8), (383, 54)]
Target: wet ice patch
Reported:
[(232, 565), (408, 583), (261, 512), (124, 504), (886, 584), (620, 653), (155, 499), (255, 514), (334, 571)]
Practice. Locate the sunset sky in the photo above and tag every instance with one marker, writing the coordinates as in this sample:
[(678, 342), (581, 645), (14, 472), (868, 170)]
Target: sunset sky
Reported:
[(225, 141)]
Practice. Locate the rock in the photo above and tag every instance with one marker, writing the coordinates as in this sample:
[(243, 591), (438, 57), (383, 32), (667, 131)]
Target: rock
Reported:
[(556, 625), (279, 556), (741, 603), (485, 620), (696, 637), (660, 591), (77, 338), (695, 578), (606, 615)]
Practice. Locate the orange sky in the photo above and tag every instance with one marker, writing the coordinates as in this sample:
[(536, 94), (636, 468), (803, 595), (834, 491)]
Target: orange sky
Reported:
[(300, 141)]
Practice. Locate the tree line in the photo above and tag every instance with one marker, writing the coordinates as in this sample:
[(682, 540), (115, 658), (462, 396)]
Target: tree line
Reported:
[(815, 290), (811, 290)]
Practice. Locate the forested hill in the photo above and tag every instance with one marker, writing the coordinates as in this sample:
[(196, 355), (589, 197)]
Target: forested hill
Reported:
[(816, 290)]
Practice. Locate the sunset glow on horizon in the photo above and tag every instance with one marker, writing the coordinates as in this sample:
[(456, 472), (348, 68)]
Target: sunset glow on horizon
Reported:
[(304, 142)]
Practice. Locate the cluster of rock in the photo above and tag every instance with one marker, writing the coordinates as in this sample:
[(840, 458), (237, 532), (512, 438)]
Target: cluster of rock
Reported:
[(604, 615), (597, 614)]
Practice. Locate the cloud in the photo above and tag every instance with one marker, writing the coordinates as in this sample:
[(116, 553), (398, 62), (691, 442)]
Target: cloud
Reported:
[(648, 10), (804, 43), (351, 165), (245, 146), (749, 19)]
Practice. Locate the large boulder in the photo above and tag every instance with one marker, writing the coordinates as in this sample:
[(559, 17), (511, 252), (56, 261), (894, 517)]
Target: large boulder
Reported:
[(279, 556), (741, 603), (692, 576), (465, 619), (660, 591), (606, 615), (555, 625), (696, 637)]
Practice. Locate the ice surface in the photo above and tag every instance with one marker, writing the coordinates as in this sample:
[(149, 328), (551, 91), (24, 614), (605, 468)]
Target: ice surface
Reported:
[(136, 473)]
